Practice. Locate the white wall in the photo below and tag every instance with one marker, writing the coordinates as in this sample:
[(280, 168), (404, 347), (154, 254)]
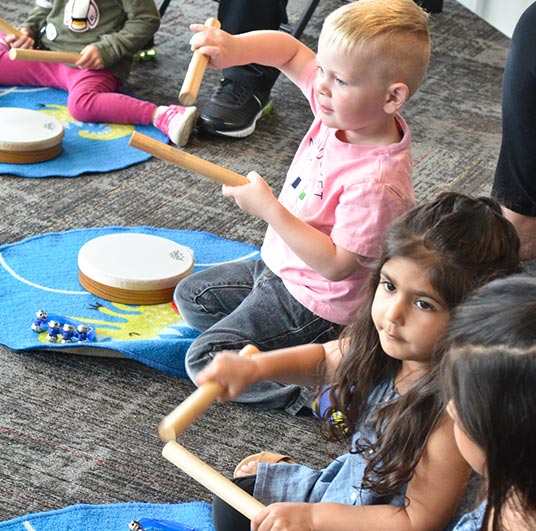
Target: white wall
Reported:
[(502, 14)]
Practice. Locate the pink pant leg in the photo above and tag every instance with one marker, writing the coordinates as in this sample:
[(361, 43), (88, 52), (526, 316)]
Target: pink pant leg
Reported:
[(30, 74), (93, 97)]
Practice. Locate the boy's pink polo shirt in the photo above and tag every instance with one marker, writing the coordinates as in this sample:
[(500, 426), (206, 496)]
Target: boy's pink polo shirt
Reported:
[(348, 191)]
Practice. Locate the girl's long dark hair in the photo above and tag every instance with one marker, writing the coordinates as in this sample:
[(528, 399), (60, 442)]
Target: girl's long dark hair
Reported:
[(460, 242), (490, 374)]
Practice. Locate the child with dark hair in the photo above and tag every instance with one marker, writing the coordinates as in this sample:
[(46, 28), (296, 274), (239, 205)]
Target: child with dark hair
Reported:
[(403, 470), (488, 376)]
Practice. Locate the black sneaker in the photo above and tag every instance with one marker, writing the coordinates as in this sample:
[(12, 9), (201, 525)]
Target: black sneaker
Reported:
[(233, 110)]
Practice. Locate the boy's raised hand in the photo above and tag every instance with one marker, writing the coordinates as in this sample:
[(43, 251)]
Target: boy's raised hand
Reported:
[(215, 43), (254, 198)]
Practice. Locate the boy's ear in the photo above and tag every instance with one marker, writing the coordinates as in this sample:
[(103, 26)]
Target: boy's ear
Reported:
[(397, 95)]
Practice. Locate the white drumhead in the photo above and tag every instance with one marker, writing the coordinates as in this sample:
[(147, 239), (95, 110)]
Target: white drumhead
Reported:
[(28, 130), (134, 261)]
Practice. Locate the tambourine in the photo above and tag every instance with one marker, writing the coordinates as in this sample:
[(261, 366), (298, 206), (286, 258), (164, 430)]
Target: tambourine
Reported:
[(133, 268), (28, 136)]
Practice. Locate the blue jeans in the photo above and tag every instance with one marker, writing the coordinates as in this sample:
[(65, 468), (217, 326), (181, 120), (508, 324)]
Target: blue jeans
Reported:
[(242, 303)]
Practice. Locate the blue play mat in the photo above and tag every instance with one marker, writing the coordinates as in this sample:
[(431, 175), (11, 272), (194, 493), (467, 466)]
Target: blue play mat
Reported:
[(113, 517), (86, 147), (41, 273)]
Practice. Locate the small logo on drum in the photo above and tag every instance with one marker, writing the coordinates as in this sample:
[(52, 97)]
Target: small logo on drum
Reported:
[(177, 255)]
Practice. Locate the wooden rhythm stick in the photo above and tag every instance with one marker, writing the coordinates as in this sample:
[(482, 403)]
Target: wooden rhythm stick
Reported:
[(185, 160), (194, 406), (212, 480), (8, 29), (175, 424), (196, 71), (43, 56)]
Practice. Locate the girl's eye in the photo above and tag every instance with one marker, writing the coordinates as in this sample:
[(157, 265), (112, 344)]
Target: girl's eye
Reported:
[(423, 305), (388, 286), (339, 81)]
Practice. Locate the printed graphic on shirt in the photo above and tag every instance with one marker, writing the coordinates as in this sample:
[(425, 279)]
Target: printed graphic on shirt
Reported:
[(81, 15), (309, 183), (51, 32)]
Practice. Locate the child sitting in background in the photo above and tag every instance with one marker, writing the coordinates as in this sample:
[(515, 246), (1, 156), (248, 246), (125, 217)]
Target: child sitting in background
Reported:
[(489, 379), (107, 34), (349, 179), (403, 470)]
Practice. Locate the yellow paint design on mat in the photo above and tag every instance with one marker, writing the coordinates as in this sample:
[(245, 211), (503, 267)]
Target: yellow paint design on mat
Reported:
[(136, 322), (103, 131)]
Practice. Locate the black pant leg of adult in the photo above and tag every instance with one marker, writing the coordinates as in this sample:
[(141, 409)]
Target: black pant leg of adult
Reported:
[(240, 16), (515, 176)]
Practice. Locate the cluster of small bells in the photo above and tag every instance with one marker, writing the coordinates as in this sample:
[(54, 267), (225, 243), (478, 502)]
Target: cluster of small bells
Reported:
[(56, 332)]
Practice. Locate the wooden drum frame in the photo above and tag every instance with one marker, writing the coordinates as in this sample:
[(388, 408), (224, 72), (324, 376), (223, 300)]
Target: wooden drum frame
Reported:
[(28, 136)]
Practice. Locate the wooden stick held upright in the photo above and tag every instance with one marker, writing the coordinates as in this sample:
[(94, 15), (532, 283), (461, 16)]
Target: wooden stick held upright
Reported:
[(196, 71), (8, 29), (43, 56), (185, 160)]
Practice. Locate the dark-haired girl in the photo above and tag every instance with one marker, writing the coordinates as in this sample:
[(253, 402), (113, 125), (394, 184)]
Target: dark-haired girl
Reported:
[(403, 470), (489, 377)]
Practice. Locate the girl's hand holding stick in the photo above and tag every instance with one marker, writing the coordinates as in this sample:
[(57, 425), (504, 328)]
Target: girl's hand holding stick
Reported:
[(176, 422)]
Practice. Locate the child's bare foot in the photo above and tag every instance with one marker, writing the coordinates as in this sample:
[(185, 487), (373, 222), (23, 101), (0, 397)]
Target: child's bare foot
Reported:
[(248, 469), (249, 465)]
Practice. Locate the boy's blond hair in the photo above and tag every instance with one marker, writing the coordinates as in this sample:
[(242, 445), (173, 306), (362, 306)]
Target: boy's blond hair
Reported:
[(393, 34)]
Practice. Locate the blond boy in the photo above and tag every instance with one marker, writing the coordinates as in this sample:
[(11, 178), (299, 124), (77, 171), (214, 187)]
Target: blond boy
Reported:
[(350, 177)]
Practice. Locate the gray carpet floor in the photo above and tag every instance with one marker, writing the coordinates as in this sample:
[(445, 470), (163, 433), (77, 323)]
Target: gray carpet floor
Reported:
[(81, 429)]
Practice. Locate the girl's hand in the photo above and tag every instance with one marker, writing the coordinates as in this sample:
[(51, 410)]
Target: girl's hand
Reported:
[(25, 41), (90, 58), (215, 43), (255, 198), (233, 372), (284, 517)]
